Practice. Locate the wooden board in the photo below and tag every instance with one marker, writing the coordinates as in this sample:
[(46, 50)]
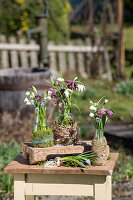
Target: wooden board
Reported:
[(36, 155), (21, 166)]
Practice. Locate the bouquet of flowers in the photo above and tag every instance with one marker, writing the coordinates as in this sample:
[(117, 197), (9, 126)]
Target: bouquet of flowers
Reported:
[(61, 92), (42, 135), (100, 117), (99, 143)]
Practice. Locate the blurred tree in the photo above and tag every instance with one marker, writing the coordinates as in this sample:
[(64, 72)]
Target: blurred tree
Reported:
[(19, 16)]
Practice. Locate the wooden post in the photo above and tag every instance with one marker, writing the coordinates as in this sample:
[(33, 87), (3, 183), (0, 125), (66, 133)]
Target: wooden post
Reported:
[(4, 54), (120, 71)]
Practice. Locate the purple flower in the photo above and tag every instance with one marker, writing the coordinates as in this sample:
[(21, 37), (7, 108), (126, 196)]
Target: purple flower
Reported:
[(101, 112), (109, 113), (71, 85), (53, 94), (38, 98), (62, 91)]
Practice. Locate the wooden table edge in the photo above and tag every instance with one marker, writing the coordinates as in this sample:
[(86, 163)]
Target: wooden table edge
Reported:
[(61, 170)]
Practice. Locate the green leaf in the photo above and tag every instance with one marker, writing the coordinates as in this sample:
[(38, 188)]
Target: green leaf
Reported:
[(34, 89)]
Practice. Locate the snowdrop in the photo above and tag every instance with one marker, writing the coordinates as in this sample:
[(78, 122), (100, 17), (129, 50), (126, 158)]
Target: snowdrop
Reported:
[(27, 93), (91, 115), (60, 79), (106, 101), (92, 108), (75, 78), (28, 103), (67, 91), (26, 99), (32, 102), (81, 87), (90, 102)]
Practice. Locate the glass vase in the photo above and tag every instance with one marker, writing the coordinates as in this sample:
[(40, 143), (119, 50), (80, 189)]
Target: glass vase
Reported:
[(99, 135), (42, 137)]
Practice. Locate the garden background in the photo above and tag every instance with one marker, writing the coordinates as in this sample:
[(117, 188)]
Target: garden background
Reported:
[(16, 18)]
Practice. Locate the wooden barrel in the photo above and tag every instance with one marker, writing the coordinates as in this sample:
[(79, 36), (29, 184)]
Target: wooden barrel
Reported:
[(15, 82)]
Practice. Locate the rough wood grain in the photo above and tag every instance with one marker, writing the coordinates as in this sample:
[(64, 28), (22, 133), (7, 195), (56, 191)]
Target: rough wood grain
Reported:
[(20, 165), (62, 62), (36, 155), (33, 56), (23, 55), (14, 54), (4, 55), (71, 60), (52, 58)]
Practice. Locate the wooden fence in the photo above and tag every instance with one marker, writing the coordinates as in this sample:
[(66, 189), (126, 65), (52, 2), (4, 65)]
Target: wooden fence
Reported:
[(84, 58)]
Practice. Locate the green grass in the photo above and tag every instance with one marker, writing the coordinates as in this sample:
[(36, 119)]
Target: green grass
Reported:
[(128, 33), (7, 153), (124, 167)]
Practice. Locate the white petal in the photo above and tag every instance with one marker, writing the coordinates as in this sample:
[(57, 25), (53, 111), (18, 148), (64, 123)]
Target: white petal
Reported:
[(91, 115), (92, 107), (90, 102), (26, 100), (106, 101), (60, 79), (75, 78), (67, 93), (27, 93), (28, 103)]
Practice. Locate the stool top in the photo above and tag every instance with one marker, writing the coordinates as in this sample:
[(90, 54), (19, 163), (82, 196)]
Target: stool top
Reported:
[(22, 166)]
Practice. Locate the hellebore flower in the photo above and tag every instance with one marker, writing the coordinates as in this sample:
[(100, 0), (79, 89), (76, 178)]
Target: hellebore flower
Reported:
[(38, 98), (109, 113), (71, 85), (101, 112)]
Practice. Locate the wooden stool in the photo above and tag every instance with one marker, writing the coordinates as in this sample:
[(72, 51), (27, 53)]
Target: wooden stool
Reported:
[(30, 180)]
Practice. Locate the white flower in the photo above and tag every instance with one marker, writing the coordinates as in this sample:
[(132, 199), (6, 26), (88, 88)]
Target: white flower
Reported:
[(81, 87), (36, 110), (91, 115), (60, 79), (106, 101), (42, 104), (90, 102), (67, 91), (28, 103), (26, 100), (32, 95), (49, 93), (75, 78), (32, 102), (48, 98), (27, 93), (92, 107)]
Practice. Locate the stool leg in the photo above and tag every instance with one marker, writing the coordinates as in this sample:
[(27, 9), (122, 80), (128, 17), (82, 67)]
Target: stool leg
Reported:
[(30, 197), (103, 191), (19, 181)]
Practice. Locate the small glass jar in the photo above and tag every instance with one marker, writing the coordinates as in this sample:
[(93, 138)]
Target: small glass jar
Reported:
[(42, 136), (99, 135)]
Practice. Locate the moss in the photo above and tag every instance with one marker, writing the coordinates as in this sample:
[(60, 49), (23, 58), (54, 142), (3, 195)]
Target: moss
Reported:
[(42, 135)]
